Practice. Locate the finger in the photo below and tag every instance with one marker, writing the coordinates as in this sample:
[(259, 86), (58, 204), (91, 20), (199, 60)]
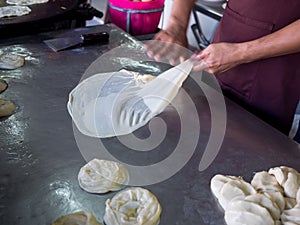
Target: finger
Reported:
[(200, 65)]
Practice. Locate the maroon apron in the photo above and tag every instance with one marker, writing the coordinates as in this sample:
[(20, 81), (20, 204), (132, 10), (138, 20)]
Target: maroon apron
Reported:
[(269, 88)]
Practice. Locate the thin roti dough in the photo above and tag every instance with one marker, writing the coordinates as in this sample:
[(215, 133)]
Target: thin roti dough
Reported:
[(7, 107), (25, 2), (16, 10), (78, 218)]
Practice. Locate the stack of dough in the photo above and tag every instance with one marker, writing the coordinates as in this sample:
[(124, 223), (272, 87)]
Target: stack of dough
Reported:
[(133, 206), (101, 176), (272, 198)]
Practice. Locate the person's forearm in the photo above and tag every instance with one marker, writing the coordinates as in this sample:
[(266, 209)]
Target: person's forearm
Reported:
[(180, 13), (282, 42)]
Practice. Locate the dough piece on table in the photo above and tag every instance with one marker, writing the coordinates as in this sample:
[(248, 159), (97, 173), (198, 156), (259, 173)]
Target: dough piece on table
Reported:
[(264, 201), (241, 212), (101, 176), (229, 188), (288, 178), (3, 86), (11, 61), (291, 216), (25, 2), (263, 181), (132, 206), (8, 11), (7, 107), (78, 218)]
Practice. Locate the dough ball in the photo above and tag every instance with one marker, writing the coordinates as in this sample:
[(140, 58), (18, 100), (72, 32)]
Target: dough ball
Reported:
[(263, 181), (101, 176), (78, 218), (134, 206), (288, 178), (228, 188), (7, 107), (3, 85), (11, 61), (241, 212)]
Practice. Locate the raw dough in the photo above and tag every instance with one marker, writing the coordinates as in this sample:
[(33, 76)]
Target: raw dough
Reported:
[(11, 61), (7, 11), (132, 206), (3, 86), (113, 104), (229, 188), (78, 218), (241, 212), (101, 176), (288, 178), (264, 201), (291, 216), (276, 201), (263, 181), (7, 107), (25, 2)]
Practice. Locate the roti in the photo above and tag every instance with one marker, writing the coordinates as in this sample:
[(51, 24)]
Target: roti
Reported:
[(8, 11), (25, 2)]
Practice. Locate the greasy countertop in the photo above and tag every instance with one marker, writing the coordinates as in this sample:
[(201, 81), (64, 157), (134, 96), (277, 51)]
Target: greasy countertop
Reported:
[(40, 158)]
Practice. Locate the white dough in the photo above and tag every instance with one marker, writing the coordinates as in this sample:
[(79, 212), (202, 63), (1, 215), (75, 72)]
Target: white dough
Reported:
[(242, 212), (25, 2), (8, 11), (264, 201), (288, 178), (101, 176), (132, 206), (263, 181), (228, 188), (113, 104), (291, 215)]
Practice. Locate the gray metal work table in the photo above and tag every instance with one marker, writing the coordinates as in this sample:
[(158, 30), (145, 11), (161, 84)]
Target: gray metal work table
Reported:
[(40, 160)]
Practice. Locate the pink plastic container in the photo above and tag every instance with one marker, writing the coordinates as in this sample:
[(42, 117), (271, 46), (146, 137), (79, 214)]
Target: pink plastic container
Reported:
[(136, 18)]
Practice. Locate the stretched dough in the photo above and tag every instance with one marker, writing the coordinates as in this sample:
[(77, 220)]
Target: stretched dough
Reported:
[(78, 218), (101, 176), (132, 206)]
